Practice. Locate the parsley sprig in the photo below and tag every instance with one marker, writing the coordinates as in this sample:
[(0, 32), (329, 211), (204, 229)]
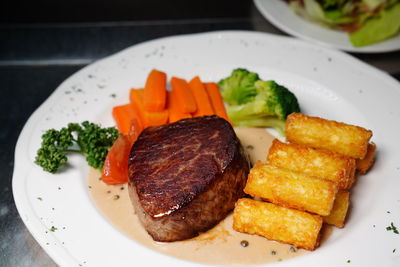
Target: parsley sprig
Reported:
[(86, 138)]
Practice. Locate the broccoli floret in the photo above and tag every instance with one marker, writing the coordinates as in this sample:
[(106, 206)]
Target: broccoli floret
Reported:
[(88, 139), (269, 108), (239, 87)]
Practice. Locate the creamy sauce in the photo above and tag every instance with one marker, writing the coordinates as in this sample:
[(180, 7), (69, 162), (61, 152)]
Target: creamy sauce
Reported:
[(221, 245), (255, 141)]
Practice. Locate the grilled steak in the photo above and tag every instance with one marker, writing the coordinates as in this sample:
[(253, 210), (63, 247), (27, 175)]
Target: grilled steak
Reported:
[(185, 177)]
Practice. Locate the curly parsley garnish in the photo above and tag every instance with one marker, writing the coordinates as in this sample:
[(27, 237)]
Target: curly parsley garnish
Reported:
[(86, 138)]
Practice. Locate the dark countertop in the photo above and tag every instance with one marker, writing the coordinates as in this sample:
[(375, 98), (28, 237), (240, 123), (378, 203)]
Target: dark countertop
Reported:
[(36, 58)]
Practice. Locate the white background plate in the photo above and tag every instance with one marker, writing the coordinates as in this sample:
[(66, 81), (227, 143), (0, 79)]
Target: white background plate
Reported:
[(327, 83), (279, 14)]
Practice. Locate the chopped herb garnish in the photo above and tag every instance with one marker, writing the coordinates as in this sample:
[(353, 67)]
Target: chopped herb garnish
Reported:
[(388, 212), (348, 261), (108, 192), (293, 249), (394, 250), (40, 198), (53, 229), (244, 243), (113, 95), (90, 187), (392, 228), (273, 252)]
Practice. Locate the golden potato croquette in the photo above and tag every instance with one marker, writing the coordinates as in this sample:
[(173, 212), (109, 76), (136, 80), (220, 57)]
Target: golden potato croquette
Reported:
[(291, 189), (339, 210), (316, 132), (321, 163), (294, 227), (364, 164)]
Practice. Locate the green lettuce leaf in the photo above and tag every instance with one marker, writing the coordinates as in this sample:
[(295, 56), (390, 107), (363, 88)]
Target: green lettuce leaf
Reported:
[(376, 29)]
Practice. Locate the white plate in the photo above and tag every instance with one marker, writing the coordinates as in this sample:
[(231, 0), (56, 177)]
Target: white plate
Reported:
[(279, 14), (327, 83)]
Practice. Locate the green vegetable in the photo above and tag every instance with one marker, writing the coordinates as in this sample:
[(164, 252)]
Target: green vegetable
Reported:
[(366, 21), (87, 138), (378, 28), (239, 87), (265, 103), (328, 13)]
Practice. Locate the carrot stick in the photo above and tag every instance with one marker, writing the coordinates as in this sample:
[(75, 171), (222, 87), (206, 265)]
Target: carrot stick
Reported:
[(149, 118), (155, 93), (204, 106), (183, 95), (216, 100), (156, 118), (123, 115), (175, 113), (136, 99)]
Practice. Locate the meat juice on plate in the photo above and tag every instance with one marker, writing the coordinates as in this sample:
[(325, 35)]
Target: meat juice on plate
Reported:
[(221, 244)]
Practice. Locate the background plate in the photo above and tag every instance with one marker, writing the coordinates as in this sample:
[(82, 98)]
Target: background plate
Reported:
[(279, 14), (327, 83)]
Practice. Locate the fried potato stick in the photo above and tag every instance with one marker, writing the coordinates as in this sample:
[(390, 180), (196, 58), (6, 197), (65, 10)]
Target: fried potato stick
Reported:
[(364, 164), (294, 227), (339, 210), (325, 164), (316, 132), (291, 189)]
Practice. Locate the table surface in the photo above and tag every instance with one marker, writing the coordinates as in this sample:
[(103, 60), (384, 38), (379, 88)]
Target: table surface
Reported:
[(36, 58)]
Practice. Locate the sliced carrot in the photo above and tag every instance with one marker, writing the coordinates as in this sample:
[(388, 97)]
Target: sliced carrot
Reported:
[(156, 118), (204, 106), (149, 118), (155, 91), (183, 95), (175, 113), (216, 100), (136, 99), (123, 115), (115, 168)]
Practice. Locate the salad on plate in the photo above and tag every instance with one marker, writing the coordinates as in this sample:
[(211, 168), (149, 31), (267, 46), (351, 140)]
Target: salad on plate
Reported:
[(366, 21)]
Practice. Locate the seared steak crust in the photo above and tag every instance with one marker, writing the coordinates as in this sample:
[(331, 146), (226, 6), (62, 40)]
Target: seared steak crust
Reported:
[(186, 176)]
